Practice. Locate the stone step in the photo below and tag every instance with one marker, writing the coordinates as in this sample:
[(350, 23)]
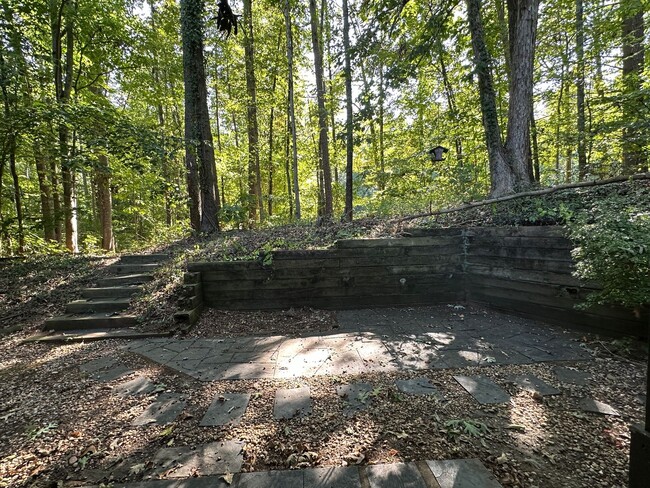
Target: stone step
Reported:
[(111, 292), (97, 305), (129, 269), (89, 322), (143, 258), (133, 279)]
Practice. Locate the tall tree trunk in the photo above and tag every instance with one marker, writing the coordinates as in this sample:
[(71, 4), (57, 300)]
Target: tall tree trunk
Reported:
[(349, 135), (634, 158), (254, 173), (199, 151), (323, 139), (522, 21), (510, 163), (105, 203), (63, 72), (291, 107), (382, 99), (502, 177), (287, 163), (274, 82), (580, 90)]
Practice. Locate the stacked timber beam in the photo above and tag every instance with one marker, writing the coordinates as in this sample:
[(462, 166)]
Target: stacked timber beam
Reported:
[(522, 270), (105, 307), (356, 273)]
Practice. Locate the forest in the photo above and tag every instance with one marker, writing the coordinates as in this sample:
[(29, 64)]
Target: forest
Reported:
[(128, 123)]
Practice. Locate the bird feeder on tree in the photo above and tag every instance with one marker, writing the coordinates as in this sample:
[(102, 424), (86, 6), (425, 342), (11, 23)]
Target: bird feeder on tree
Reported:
[(437, 153)]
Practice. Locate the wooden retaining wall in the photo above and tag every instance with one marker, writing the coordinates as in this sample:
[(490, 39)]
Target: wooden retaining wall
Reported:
[(522, 270), (356, 273)]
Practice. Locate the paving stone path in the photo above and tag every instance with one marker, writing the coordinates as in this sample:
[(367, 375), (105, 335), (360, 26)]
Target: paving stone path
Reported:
[(368, 341), (404, 346), (456, 473)]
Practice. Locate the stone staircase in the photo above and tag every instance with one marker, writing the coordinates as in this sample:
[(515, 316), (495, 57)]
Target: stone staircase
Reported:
[(106, 306)]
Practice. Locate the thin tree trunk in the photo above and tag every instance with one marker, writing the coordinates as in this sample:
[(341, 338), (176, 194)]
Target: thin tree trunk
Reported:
[(105, 203), (534, 142), (56, 201), (17, 196), (382, 98), (291, 107), (580, 90), (568, 169), (323, 139), (558, 110), (274, 82), (287, 157), (44, 191), (451, 100), (254, 173), (349, 135)]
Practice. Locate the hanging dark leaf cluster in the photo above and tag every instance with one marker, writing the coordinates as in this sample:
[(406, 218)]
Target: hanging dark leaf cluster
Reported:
[(226, 20)]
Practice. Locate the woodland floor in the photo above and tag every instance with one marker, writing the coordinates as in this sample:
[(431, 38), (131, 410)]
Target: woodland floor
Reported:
[(61, 427)]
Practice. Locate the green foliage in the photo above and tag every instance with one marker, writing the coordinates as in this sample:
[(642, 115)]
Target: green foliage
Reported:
[(456, 428), (612, 240)]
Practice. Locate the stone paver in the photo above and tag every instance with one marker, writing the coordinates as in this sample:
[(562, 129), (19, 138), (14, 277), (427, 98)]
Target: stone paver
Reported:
[(572, 376), (418, 386), (203, 482), (165, 409), (226, 409), (140, 385), (462, 473), (594, 406), (332, 478), (484, 390), (111, 374), (292, 402), (357, 396), (534, 384), (395, 475), (205, 460), (271, 479), (390, 340), (98, 364)]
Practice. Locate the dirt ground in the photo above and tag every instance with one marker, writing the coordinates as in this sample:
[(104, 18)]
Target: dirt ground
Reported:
[(58, 427)]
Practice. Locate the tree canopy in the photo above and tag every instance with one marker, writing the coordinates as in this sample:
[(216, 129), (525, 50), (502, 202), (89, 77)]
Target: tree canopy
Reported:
[(101, 129)]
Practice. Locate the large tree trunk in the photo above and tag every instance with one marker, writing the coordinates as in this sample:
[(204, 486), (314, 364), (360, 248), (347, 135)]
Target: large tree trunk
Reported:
[(634, 159), (501, 175), (254, 173), (580, 90), (522, 20), (291, 108), (510, 163), (323, 139), (349, 135), (105, 203), (199, 153)]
